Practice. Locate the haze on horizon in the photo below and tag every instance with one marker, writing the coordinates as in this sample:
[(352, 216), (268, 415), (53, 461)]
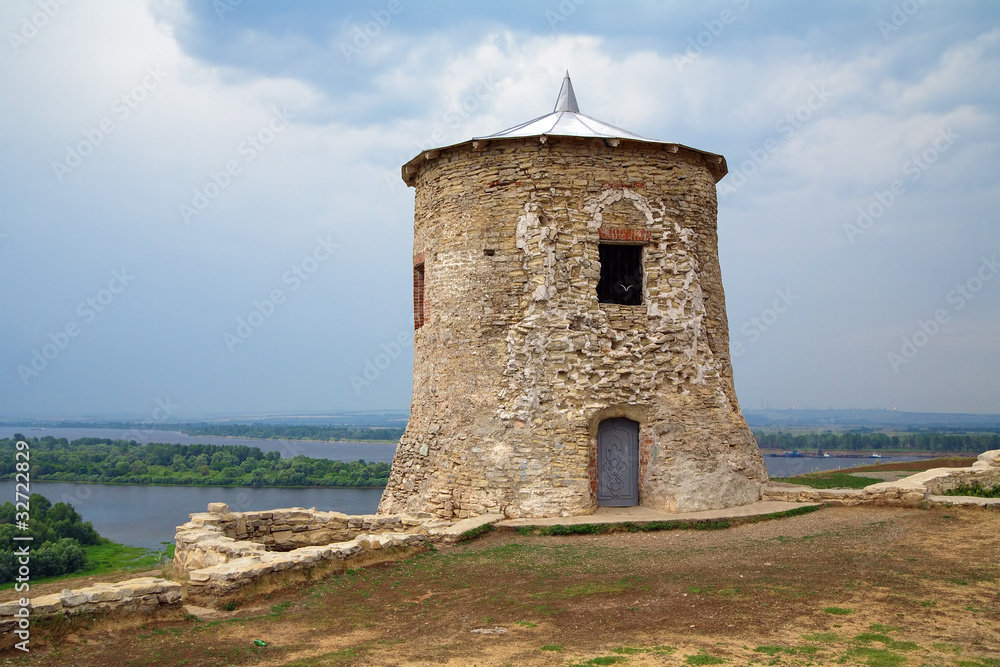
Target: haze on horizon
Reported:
[(203, 208)]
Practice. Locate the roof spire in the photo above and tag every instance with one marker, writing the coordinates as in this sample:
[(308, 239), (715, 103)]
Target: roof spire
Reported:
[(567, 98)]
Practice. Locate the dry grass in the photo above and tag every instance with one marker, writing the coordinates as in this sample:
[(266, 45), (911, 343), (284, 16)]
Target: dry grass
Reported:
[(911, 587)]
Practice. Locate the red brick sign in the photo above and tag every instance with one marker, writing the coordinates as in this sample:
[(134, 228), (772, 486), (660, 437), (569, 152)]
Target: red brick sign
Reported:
[(634, 234)]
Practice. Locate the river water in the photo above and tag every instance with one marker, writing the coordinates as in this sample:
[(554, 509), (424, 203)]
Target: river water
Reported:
[(146, 516)]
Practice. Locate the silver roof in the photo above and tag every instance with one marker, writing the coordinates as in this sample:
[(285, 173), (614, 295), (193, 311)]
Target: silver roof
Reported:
[(566, 121)]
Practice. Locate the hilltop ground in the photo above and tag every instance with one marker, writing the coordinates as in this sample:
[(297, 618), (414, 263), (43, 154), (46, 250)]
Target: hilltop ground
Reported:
[(853, 586)]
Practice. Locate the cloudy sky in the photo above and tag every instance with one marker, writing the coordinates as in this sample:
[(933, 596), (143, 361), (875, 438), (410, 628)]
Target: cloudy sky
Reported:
[(202, 212)]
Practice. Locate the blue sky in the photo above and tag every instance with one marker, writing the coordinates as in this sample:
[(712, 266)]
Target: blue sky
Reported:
[(170, 169)]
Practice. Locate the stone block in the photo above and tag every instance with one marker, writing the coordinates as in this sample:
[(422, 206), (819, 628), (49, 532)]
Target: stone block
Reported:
[(172, 593), (9, 608), (141, 586), (46, 604), (72, 598)]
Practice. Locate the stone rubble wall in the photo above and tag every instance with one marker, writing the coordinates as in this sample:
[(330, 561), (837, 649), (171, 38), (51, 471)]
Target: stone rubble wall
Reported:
[(913, 491), (218, 535), (225, 579), (217, 564), (142, 594), (222, 551)]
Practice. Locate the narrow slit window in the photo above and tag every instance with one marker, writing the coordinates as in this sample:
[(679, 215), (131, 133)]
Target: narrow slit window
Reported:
[(621, 274), (418, 296)]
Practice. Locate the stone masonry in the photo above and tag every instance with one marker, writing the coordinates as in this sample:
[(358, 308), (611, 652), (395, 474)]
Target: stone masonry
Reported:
[(516, 361)]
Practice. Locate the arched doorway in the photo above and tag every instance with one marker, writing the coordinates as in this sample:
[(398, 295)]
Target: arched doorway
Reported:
[(618, 463)]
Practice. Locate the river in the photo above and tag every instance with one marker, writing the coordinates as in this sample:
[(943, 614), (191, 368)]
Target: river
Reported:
[(146, 516)]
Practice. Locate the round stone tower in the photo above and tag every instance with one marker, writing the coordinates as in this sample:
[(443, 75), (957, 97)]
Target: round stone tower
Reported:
[(571, 345)]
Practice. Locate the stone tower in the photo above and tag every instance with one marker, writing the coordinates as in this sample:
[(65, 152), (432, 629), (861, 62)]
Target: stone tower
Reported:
[(571, 345)]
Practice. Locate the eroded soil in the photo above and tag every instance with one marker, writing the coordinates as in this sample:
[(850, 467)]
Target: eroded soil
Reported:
[(851, 586)]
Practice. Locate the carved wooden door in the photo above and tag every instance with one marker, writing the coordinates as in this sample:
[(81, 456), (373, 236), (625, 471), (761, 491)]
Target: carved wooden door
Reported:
[(618, 463)]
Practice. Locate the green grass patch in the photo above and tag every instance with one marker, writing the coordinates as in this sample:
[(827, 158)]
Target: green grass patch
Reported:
[(885, 640), (837, 611), (552, 647), (837, 479), (278, 609), (822, 637), (473, 533), (623, 651), (877, 657), (775, 650), (110, 557), (703, 658), (975, 490), (526, 624), (979, 662), (878, 627), (945, 647)]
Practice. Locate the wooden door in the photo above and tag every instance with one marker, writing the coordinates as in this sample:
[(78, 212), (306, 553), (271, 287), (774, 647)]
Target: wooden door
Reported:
[(618, 463)]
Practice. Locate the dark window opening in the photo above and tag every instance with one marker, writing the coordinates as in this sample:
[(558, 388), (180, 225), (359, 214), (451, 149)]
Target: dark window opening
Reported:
[(621, 274), (418, 296)]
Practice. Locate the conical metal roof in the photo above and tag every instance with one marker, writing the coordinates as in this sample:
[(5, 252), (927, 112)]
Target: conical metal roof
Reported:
[(566, 121)]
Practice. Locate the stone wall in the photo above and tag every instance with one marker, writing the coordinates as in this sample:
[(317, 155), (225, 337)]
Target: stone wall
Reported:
[(142, 594), (217, 582), (220, 551), (218, 535), (922, 488), (517, 363)]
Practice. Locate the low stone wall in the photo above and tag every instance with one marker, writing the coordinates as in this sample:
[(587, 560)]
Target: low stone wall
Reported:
[(913, 491), (141, 594), (222, 551), (218, 582), (219, 536)]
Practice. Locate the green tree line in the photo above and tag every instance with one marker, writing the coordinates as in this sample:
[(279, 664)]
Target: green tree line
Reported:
[(58, 537), (927, 442), (294, 432), (104, 460)]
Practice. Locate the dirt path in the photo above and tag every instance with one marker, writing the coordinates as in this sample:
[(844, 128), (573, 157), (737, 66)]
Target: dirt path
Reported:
[(851, 586)]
